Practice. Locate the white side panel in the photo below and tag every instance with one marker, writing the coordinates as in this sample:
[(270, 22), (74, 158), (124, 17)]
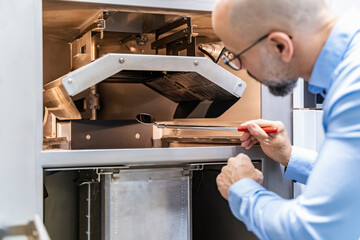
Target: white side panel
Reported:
[(308, 133), (298, 94), (320, 135), (276, 108), (21, 106)]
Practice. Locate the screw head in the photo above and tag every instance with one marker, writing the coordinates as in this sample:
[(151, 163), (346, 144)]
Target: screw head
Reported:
[(196, 63), (88, 137), (240, 84), (121, 60), (69, 81), (137, 135)]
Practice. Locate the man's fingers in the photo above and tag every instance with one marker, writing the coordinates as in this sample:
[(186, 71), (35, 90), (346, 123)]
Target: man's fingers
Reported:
[(243, 157), (238, 160), (234, 161), (222, 186), (219, 178), (245, 136), (260, 176), (250, 146), (247, 139), (265, 123), (256, 131), (260, 122), (246, 143)]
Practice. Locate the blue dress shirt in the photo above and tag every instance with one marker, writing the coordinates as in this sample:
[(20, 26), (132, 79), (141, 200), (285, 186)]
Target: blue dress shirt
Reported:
[(329, 208)]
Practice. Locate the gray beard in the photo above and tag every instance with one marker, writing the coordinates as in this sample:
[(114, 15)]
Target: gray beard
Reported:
[(278, 89)]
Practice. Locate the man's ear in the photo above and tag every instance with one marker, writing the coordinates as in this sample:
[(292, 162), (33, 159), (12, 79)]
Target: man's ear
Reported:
[(282, 45)]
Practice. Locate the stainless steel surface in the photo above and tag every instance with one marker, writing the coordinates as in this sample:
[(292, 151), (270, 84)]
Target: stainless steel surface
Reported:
[(134, 23), (94, 102), (110, 64), (149, 205), (56, 143), (277, 109), (89, 208), (273, 173), (66, 20), (83, 50), (58, 102), (88, 214), (167, 141), (113, 157), (63, 129), (181, 5), (21, 111), (148, 119), (94, 24), (190, 84), (49, 124), (212, 50), (105, 180), (62, 19)]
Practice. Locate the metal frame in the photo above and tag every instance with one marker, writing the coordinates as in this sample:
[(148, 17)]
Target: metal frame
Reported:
[(21, 115), (277, 108), (145, 156), (189, 5), (166, 157), (178, 41), (110, 64), (21, 112)]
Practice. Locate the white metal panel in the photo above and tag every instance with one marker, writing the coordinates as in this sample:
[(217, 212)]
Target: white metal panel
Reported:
[(193, 5), (21, 106), (109, 64), (276, 108), (308, 132), (57, 160), (298, 94)]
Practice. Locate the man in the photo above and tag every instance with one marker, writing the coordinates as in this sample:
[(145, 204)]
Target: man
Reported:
[(280, 41)]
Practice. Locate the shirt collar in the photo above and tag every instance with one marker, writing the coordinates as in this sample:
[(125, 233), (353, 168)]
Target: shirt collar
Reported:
[(333, 51)]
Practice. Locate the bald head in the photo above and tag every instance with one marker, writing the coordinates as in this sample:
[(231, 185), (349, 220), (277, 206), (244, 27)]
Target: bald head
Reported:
[(288, 34), (251, 19)]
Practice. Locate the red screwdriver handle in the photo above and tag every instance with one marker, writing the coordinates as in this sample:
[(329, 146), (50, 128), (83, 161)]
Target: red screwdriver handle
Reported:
[(266, 129)]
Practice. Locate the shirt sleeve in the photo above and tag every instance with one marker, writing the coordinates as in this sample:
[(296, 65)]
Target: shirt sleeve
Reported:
[(329, 208), (300, 164)]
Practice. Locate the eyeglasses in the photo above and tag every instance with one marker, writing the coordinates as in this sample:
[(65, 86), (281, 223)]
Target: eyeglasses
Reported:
[(234, 60)]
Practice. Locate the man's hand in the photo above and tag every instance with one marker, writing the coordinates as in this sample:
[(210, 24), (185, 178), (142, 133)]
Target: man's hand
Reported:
[(237, 168), (275, 145)]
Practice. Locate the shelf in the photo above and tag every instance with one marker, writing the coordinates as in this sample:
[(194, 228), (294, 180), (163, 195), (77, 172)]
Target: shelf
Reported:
[(145, 156)]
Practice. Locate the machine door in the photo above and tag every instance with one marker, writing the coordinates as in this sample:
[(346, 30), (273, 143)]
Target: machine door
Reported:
[(20, 120)]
